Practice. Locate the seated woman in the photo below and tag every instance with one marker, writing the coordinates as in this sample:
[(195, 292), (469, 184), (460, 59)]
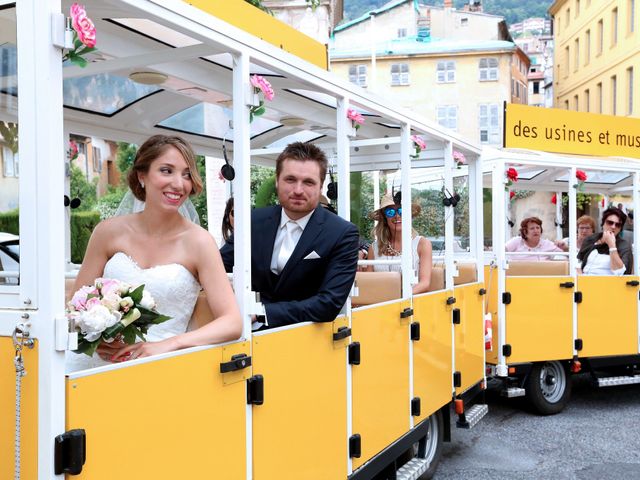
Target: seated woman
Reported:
[(530, 240), (227, 221), (158, 247), (388, 243), (586, 228), (606, 253)]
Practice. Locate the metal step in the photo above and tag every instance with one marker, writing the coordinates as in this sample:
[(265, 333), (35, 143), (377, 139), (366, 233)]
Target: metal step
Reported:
[(513, 392), (615, 381), (412, 469), (472, 416)]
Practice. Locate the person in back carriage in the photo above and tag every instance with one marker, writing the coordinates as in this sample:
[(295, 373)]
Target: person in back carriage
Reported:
[(303, 257), (530, 240), (606, 253)]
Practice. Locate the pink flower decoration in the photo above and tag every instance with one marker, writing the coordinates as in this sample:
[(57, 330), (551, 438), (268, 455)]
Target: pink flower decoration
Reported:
[(83, 25), (262, 85), (554, 199), (419, 142), (73, 150), (459, 158), (356, 118), (79, 300)]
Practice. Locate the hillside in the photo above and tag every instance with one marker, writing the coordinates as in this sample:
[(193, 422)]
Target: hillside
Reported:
[(513, 10)]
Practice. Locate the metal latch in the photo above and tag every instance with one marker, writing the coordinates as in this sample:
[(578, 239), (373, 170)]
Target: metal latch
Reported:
[(406, 313), (456, 316), (567, 284), (342, 333), (415, 331), (354, 353), (70, 452), (255, 390), (237, 362)]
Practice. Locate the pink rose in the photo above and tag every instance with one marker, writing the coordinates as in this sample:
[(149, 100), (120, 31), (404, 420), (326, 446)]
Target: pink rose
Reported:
[(261, 84), (355, 117), (73, 150), (459, 157), (108, 285), (79, 300), (92, 302), (83, 25), (419, 142)]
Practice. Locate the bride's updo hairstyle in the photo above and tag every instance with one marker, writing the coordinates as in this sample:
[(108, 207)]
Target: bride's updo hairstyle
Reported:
[(153, 148)]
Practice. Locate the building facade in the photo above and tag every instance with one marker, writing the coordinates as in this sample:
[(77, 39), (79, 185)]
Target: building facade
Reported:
[(597, 56), (455, 67)]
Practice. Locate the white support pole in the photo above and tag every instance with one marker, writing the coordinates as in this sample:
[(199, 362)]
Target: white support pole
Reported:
[(572, 247), (376, 190), (42, 213), (476, 215), (499, 233), (242, 209), (558, 216), (449, 217)]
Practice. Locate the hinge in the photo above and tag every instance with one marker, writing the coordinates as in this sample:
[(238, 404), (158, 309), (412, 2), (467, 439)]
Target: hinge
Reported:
[(506, 298), (355, 446), (457, 379), (578, 344), (343, 332), (65, 340), (567, 284), (415, 406), (482, 291), (506, 350), (406, 313), (70, 452), (237, 362), (415, 331), (456, 316), (255, 390), (577, 297), (353, 353), (451, 300)]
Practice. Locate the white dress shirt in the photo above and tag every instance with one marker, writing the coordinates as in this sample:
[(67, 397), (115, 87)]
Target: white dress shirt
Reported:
[(282, 231)]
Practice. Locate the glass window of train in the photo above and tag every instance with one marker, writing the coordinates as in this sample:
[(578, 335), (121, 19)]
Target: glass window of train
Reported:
[(9, 153)]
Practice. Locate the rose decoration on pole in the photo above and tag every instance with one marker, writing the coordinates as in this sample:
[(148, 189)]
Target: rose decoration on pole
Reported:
[(356, 118), (512, 177), (459, 158), (554, 199), (84, 36), (581, 176), (73, 151), (512, 195), (261, 86), (418, 145)]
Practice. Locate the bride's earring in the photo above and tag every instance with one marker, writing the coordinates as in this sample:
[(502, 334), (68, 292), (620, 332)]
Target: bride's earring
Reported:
[(141, 183)]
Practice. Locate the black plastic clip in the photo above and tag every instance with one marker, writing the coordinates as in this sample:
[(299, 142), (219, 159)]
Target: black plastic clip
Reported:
[(633, 283), (255, 390), (70, 452), (577, 297), (578, 344), (506, 350), (355, 446), (415, 407), (342, 333), (482, 291), (451, 300), (457, 379), (456, 316), (237, 362), (415, 331), (353, 352), (567, 284), (506, 298), (406, 313)]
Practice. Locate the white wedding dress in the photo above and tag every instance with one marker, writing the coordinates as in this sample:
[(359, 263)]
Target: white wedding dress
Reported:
[(172, 286)]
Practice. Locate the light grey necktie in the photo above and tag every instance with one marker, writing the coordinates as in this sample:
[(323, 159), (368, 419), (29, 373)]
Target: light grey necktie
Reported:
[(288, 244)]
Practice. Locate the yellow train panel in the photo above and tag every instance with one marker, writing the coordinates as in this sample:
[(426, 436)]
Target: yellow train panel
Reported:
[(539, 323), (491, 282), (381, 403), (190, 422), (28, 411), (608, 316), (469, 335), (249, 18), (432, 359), (301, 429)]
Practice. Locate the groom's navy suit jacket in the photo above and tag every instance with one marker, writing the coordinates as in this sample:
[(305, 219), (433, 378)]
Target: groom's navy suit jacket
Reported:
[(307, 289)]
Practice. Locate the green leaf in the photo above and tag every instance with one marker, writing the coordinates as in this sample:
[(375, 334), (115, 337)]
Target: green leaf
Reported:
[(88, 348), (129, 334), (136, 295), (260, 111), (79, 61), (113, 330), (77, 43), (86, 50)]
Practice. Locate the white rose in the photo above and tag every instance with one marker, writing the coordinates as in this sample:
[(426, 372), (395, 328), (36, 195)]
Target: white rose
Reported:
[(95, 320), (147, 301), (111, 301)]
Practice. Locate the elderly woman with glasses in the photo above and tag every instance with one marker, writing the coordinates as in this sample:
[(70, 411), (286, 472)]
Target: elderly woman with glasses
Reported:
[(530, 240), (388, 242), (606, 253)]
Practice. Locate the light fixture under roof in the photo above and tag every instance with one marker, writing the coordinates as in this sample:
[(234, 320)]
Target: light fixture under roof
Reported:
[(148, 78), (292, 121)]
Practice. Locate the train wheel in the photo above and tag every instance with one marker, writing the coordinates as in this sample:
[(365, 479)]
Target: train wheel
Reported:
[(429, 447), (548, 387)]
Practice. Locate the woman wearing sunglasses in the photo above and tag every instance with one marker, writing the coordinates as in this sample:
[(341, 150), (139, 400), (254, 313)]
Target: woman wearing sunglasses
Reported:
[(388, 242), (606, 253)]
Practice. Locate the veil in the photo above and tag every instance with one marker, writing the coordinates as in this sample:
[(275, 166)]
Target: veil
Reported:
[(130, 204)]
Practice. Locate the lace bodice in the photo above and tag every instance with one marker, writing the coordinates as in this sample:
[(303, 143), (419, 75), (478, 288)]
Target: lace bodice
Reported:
[(173, 287)]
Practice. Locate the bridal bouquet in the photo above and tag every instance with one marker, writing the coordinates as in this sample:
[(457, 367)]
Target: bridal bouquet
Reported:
[(108, 308)]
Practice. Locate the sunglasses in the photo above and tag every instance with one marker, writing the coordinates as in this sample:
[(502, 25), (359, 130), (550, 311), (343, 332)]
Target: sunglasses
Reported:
[(611, 223), (391, 212)]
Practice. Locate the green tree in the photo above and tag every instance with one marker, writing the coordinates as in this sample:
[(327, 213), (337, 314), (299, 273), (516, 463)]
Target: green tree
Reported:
[(83, 189)]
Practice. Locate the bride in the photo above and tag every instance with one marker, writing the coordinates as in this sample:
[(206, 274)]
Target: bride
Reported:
[(160, 248)]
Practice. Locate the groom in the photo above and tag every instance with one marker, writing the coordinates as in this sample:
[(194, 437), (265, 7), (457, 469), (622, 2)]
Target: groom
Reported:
[(304, 257)]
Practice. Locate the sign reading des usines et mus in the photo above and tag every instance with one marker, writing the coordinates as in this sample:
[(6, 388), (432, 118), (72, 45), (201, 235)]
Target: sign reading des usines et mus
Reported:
[(563, 131)]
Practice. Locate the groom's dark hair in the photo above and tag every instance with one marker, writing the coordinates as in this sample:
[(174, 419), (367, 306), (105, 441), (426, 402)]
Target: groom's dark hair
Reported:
[(153, 148), (303, 151)]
